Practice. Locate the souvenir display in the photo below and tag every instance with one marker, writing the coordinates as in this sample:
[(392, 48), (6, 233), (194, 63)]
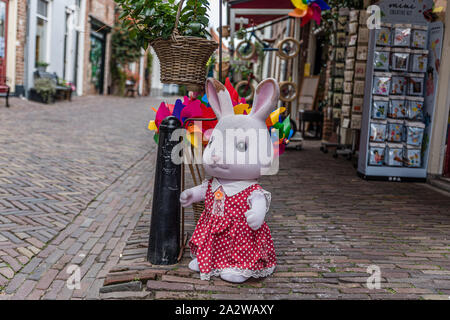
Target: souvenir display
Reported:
[(399, 85), (412, 157), (360, 70), (351, 52), (415, 108), (353, 27), (383, 36), (339, 69), (361, 53), (376, 154), (394, 155), (419, 61), (340, 54), (380, 107), (354, 15), (352, 40), (378, 131), (346, 111), (356, 121), (402, 76), (395, 130), (416, 86), (414, 133), (400, 61), (419, 37), (342, 23), (348, 75), (381, 60), (350, 64), (363, 35), (337, 100), (401, 35), (338, 84), (397, 108), (341, 39), (348, 87), (357, 105), (347, 99), (381, 84), (359, 88)]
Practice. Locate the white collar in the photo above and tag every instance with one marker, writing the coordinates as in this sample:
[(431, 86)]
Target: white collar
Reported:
[(232, 188)]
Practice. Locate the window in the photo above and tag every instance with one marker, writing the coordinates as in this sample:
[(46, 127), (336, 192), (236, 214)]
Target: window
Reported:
[(41, 31)]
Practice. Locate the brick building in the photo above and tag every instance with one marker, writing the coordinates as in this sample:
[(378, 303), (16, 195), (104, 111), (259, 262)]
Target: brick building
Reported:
[(99, 21)]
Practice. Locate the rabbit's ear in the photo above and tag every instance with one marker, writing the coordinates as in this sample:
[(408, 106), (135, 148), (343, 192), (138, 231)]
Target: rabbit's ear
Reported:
[(219, 98), (266, 99)]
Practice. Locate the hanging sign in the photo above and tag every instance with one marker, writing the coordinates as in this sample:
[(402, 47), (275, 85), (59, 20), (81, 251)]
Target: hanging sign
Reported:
[(406, 11)]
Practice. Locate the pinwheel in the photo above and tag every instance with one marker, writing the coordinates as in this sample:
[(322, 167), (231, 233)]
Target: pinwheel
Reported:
[(189, 109), (280, 130), (198, 108), (308, 9)]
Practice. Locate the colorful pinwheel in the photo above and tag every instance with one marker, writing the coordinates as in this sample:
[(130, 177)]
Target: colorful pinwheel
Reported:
[(308, 9), (199, 108)]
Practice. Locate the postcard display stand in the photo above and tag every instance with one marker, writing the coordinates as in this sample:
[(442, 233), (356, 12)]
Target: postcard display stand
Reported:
[(401, 81)]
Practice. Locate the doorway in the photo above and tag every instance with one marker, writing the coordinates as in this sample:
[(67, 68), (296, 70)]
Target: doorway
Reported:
[(97, 59)]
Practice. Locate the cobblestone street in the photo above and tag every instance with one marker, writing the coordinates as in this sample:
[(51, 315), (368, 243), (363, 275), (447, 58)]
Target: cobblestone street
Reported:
[(73, 177), (76, 183)]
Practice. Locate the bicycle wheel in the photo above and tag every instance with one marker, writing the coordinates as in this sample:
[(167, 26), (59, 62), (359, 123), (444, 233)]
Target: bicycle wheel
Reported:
[(288, 91), (289, 48), (246, 50), (245, 90)]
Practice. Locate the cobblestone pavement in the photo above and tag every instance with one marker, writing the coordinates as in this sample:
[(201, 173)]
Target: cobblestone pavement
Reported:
[(75, 187), (74, 179), (328, 226)]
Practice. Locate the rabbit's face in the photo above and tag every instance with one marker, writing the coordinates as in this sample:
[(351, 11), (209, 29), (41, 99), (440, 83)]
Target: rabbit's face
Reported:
[(240, 146)]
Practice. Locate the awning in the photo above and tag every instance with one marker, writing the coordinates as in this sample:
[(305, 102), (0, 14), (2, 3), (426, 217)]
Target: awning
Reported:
[(259, 11)]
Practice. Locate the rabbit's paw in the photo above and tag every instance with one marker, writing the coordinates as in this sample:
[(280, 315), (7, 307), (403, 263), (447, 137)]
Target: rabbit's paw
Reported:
[(230, 276), (193, 265), (255, 219)]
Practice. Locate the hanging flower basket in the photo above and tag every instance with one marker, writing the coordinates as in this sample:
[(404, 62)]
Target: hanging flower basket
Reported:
[(183, 59)]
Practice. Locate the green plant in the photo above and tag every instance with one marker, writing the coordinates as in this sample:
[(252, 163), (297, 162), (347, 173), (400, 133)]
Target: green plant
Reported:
[(124, 50), (42, 64), (46, 88), (148, 20)]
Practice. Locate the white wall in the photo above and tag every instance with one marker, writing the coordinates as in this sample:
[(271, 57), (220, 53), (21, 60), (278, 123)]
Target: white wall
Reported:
[(55, 39)]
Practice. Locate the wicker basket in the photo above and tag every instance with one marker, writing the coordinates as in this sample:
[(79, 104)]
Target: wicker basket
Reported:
[(198, 208), (183, 59)]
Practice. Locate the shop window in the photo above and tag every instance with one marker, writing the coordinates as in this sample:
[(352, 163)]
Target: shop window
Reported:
[(42, 31)]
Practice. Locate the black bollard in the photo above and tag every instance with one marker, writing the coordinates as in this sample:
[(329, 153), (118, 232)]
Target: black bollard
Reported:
[(164, 241)]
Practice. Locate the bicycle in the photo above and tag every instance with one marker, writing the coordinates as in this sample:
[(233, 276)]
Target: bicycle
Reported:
[(246, 89), (288, 48)]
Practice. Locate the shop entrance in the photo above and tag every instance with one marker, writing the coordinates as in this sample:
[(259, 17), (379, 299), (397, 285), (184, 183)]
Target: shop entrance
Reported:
[(97, 59)]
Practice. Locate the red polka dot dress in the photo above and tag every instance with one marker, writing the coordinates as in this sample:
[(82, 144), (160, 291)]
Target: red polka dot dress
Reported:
[(223, 240)]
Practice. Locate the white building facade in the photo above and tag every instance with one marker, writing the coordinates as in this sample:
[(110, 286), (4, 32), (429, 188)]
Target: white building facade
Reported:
[(55, 36)]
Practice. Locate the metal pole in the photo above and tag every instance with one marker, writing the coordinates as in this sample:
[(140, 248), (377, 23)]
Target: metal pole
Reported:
[(164, 240), (220, 40)]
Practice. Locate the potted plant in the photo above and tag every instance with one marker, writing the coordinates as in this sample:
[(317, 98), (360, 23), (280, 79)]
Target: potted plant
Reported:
[(44, 91), (177, 34), (42, 66)]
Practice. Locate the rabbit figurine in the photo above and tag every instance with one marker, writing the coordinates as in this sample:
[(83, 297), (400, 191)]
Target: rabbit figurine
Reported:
[(231, 239)]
